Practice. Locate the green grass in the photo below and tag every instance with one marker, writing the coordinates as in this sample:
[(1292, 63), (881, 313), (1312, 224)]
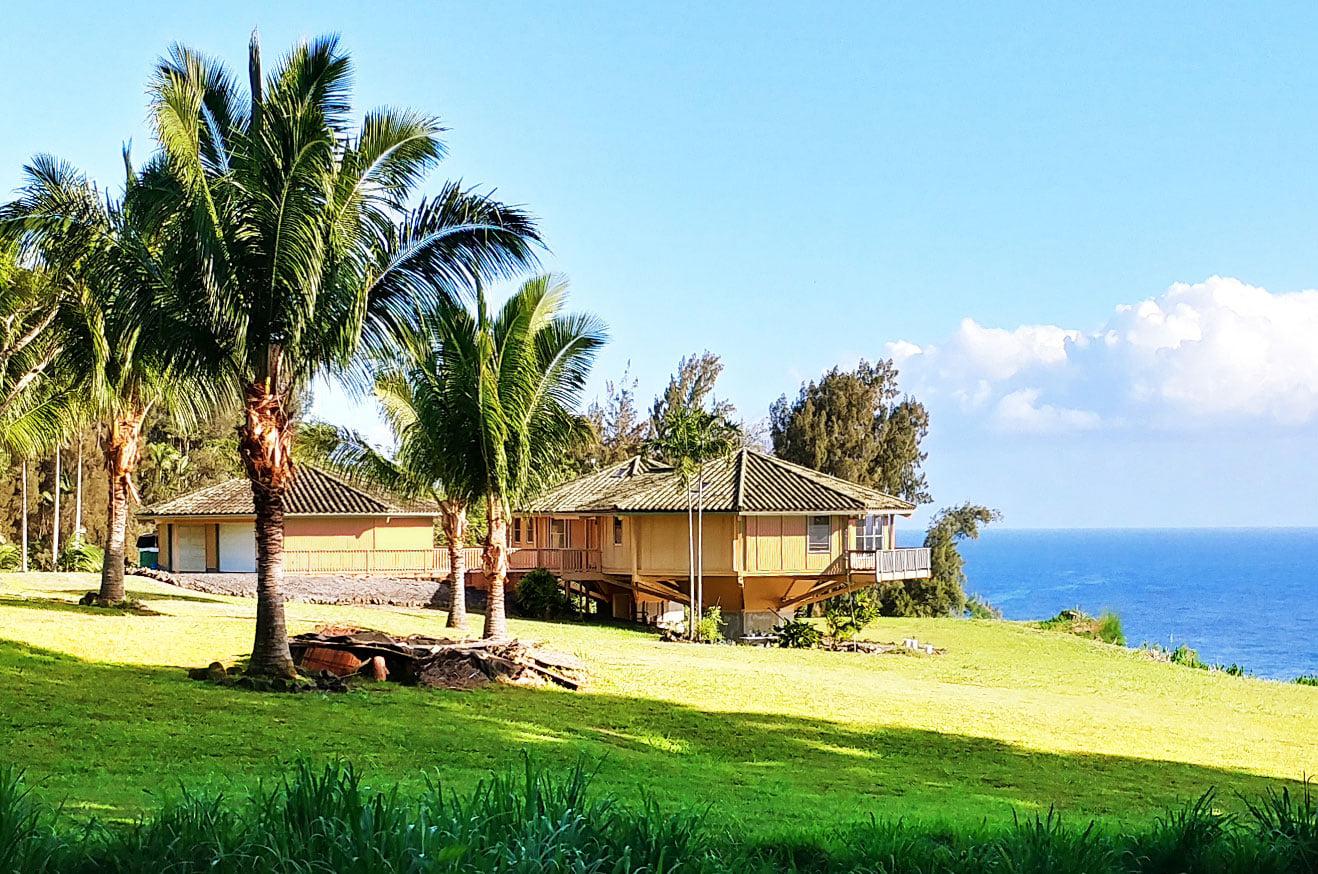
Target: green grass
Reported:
[(98, 710)]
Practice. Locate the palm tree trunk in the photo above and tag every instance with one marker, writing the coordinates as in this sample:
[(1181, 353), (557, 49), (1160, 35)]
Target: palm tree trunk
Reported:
[(691, 566), (54, 535), (77, 501), (700, 545), (24, 536), (121, 441), (495, 565), (264, 442), (454, 521)]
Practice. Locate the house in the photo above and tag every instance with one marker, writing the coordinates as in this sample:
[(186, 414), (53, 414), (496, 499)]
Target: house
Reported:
[(330, 526), (776, 536)]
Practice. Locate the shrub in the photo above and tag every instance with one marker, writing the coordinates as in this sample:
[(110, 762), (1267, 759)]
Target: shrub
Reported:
[(540, 595), (978, 608), (1106, 627), (1307, 679), (710, 627), (11, 556), (798, 634), (81, 556), (847, 614)]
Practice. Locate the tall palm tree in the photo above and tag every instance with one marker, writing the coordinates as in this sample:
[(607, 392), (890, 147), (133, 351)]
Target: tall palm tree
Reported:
[(125, 348), (689, 437), (434, 445), (293, 229), (517, 374)]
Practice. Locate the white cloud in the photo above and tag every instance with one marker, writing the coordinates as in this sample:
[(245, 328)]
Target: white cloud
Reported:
[(1219, 350)]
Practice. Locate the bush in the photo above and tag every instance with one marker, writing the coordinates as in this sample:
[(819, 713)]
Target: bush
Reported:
[(11, 556), (978, 608), (1307, 679), (798, 634), (81, 556), (710, 628), (847, 614), (1106, 627), (540, 595)]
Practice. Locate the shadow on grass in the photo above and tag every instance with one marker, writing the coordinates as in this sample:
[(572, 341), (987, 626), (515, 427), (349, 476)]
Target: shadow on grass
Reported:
[(161, 596), (60, 605), (153, 730)]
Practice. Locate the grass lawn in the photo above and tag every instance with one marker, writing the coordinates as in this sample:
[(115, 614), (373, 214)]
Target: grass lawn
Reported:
[(98, 710)]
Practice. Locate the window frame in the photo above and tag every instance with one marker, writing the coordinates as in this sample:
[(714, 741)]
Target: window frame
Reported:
[(812, 547), (517, 529), (871, 532), (617, 531), (558, 538)]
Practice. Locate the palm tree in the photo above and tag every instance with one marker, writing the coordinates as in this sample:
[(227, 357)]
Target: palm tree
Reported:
[(36, 397), (293, 230), (433, 448), (688, 437), (125, 348), (517, 376)]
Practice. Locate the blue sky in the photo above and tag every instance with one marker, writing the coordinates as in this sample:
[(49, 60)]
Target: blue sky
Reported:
[(798, 187)]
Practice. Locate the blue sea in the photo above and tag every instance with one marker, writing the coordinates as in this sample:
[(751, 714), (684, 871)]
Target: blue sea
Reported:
[(1237, 595)]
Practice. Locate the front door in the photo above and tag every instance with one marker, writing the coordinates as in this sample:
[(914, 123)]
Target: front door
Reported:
[(190, 548)]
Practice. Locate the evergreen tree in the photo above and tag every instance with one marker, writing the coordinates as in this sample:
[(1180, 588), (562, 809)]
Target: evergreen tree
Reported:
[(855, 425)]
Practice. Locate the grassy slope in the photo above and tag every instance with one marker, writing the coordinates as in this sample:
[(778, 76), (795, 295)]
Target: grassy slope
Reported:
[(778, 739)]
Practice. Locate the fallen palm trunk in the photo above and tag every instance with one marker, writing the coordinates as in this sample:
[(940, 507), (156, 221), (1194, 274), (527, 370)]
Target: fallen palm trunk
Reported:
[(435, 662)]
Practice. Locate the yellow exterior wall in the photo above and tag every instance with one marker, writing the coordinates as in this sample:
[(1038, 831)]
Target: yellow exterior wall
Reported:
[(663, 544), (162, 540), (212, 548), (777, 544), (414, 535)]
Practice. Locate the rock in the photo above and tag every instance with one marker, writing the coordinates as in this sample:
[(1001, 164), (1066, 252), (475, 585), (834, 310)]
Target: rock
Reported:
[(216, 673)]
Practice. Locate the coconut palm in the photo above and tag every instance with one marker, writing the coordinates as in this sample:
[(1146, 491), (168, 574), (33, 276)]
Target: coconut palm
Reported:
[(517, 376), (124, 348), (293, 229), (431, 460)]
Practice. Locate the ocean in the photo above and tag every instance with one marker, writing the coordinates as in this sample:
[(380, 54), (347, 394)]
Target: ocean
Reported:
[(1247, 596)]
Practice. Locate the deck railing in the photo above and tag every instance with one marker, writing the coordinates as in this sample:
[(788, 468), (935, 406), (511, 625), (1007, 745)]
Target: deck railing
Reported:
[(432, 562), (890, 564)]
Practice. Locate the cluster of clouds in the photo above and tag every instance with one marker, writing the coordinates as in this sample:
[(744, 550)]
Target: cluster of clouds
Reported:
[(1214, 353)]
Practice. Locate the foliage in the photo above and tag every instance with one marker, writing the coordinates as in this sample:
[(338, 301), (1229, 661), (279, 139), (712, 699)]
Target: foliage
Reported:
[(1307, 680), (1188, 657), (11, 556), (82, 556), (979, 608), (687, 437), (327, 818), (1105, 627), (855, 425), (943, 594), (798, 634), (711, 625), (540, 595), (847, 614), (692, 388), (618, 430)]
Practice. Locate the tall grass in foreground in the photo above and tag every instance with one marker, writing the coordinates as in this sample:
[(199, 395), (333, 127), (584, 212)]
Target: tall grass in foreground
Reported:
[(325, 819)]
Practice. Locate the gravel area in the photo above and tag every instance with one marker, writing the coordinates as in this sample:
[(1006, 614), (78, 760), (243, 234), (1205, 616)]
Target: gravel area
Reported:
[(330, 588)]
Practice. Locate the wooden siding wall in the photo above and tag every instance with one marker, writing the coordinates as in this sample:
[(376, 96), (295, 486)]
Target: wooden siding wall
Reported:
[(777, 544), (310, 533)]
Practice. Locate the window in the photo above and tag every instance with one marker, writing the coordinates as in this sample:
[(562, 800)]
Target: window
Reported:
[(817, 535), (557, 533), (517, 530), (617, 531), (528, 530), (870, 532)]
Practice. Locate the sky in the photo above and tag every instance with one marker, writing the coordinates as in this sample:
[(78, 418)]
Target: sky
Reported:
[(1084, 234)]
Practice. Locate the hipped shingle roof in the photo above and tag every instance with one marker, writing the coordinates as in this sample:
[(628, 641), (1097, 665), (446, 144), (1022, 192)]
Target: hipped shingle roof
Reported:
[(743, 482), (314, 492)]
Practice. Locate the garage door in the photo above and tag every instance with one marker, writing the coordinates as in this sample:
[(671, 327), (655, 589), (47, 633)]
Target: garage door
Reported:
[(189, 548), (238, 548)]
